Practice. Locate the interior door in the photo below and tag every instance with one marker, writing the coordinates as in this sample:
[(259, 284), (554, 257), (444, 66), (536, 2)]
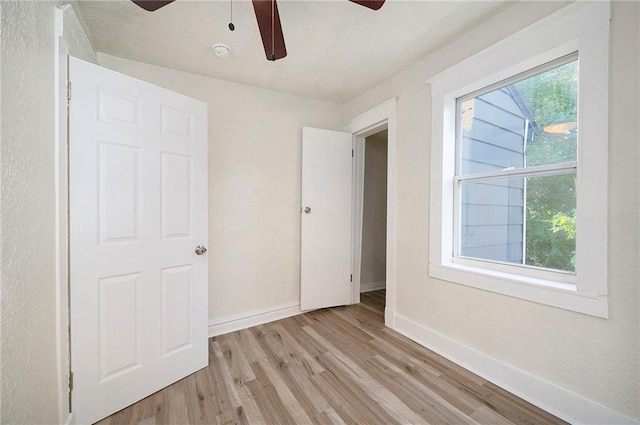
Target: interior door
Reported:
[(327, 163), (138, 209)]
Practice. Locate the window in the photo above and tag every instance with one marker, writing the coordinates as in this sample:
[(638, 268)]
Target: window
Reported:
[(516, 169), (519, 159)]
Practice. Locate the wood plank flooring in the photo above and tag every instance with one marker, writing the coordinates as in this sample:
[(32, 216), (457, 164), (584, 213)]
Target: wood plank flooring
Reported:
[(331, 366)]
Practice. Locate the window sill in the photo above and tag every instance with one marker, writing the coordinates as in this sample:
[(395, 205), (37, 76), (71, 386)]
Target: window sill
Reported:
[(523, 287)]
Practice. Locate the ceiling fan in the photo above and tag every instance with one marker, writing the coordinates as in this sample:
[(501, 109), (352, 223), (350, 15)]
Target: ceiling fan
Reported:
[(268, 21)]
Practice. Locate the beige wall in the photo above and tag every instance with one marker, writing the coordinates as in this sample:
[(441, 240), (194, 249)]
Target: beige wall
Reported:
[(28, 370), (595, 358), (374, 214), (254, 184)]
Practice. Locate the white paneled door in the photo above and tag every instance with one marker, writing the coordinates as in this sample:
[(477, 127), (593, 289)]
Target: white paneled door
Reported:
[(138, 210), (327, 164)]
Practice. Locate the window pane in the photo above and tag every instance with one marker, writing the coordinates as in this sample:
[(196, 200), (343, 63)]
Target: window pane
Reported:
[(551, 222), (527, 123), (525, 221)]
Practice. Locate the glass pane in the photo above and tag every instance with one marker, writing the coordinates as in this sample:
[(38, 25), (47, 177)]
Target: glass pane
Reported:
[(527, 123), (525, 221)]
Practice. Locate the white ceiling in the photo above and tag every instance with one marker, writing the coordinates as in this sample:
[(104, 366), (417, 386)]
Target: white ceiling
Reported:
[(336, 49)]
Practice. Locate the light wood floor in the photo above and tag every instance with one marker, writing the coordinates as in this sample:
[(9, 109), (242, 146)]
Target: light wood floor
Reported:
[(338, 365)]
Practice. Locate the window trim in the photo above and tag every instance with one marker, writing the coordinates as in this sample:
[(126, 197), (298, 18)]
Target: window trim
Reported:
[(580, 27)]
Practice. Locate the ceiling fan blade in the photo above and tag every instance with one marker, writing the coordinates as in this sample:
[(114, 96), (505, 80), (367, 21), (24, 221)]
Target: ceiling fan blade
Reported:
[(270, 30), (152, 5), (371, 4)]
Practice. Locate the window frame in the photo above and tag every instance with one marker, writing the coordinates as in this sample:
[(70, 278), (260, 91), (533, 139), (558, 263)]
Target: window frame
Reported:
[(579, 27)]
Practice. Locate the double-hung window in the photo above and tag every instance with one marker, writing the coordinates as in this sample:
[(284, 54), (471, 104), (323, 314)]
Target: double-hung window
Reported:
[(519, 164), (515, 178)]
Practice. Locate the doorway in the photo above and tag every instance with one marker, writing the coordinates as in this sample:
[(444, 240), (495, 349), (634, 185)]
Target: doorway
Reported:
[(370, 122), (374, 213)]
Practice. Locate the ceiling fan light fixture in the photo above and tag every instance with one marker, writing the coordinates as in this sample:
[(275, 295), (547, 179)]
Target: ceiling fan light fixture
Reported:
[(269, 24), (221, 50)]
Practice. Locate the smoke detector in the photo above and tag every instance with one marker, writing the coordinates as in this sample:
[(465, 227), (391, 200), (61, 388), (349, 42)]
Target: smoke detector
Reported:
[(221, 50)]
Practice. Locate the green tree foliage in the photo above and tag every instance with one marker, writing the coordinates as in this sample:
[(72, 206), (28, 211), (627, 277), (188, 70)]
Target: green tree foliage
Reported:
[(550, 241), (551, 98)]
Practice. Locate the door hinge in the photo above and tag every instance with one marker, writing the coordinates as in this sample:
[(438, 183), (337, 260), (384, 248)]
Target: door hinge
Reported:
[(68, 91), (350, 278), (70, 381), (351, 153)]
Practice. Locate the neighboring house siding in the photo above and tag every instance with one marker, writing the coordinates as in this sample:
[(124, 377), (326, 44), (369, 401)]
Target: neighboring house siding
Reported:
[(492, 213)]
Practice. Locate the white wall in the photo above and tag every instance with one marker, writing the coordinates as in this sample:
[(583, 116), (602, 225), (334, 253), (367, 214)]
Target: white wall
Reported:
[(595, 358), (254, 184), (374, 214), (29, 387)]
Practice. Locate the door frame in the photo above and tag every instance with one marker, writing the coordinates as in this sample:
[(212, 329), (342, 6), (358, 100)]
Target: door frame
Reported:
[(62, 218), (68, 39), (374, 120)]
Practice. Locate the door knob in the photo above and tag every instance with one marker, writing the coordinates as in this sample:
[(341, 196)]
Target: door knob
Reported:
[(307, 210), (201, 250)]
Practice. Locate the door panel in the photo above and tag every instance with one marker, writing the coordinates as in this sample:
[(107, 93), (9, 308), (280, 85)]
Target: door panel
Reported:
[(176, 309), (176, 200), (138, 208), (118, 192), (119, 324), (326, 227)]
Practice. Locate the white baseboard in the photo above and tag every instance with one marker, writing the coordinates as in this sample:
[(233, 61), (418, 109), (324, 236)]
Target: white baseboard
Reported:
[(389, 318), (556, 400), (253, 318), (372, 286)]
